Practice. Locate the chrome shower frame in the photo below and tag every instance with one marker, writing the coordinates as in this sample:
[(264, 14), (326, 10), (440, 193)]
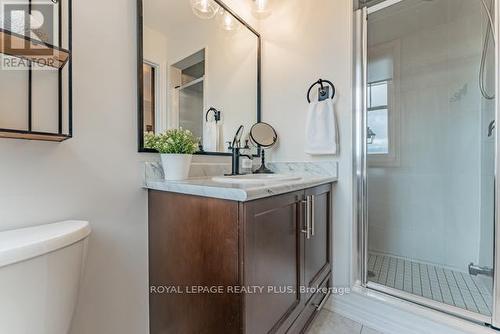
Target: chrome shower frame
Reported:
[(496, 275), (360, 214)]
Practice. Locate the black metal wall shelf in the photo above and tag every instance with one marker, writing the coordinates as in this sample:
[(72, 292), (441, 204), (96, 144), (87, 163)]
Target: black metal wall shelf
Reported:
[(33, 135), (57, 59)]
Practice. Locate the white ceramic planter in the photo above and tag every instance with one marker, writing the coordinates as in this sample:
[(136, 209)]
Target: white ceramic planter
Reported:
[(176, 166)]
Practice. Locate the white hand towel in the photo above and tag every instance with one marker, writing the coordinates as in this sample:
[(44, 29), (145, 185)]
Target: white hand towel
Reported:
[(321, 129), (211, 136)]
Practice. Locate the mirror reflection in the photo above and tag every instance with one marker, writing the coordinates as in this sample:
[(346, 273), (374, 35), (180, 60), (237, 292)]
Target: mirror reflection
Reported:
[(200, 71)]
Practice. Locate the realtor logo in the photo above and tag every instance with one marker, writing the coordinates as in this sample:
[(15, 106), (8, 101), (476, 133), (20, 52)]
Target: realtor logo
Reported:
[(28, 30)]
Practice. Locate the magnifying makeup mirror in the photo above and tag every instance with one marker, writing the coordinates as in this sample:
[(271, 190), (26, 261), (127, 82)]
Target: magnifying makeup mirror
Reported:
[(264, 136)]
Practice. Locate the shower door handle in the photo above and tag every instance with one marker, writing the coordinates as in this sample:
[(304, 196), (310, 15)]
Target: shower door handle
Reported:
[(475, 270)]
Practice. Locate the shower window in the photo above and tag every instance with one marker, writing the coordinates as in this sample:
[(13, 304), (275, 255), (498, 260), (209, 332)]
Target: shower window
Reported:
[(383, 111), (378, 118)]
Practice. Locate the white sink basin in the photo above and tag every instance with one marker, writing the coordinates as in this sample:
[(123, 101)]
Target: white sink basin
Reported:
[(256, 178)]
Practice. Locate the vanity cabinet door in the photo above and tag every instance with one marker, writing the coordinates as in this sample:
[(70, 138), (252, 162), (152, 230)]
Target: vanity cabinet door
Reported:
[(193, 242), (317, 236), (273, 251)]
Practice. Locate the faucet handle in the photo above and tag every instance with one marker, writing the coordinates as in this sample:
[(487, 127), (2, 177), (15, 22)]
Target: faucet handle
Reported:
[(247, 147), (229, 145)]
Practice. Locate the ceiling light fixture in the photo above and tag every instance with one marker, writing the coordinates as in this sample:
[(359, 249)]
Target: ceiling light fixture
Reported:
[(205, 9), (261, 9), (227, 21)]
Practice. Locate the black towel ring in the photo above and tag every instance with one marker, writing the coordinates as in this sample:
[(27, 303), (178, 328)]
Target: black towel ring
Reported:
[(217, 114), (322, 89)]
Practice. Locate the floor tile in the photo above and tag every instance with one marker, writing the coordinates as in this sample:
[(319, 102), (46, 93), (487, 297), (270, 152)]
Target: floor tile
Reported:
[(331, 323), (434, 282)]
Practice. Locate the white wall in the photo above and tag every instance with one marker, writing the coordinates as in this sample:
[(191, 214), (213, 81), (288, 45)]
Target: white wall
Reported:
[(305, 41), (428, 207), (96, 175)]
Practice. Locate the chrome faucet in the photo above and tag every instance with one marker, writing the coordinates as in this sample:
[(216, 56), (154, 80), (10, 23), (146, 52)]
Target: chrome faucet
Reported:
[(236, 148)]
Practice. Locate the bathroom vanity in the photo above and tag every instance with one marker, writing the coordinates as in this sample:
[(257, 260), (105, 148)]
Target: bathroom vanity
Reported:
[(238, 258), (226, 255)]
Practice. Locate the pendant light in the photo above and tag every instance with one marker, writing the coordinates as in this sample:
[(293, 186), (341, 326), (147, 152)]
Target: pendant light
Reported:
[(261, 9), (227, 21), (205, 9)]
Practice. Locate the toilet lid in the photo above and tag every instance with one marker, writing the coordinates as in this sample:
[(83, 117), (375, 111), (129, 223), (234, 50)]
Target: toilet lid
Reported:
[(26, 243)]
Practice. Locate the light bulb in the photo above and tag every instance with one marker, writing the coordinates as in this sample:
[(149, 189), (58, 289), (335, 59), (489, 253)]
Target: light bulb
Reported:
[(261, 5), (204, 6), (205, 9), (261, 9), (227, 21)]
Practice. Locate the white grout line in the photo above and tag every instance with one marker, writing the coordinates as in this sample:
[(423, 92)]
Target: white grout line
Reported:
[(455, 288)]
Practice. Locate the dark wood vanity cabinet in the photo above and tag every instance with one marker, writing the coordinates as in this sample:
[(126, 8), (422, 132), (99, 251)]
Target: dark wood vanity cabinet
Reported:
[(317, 247), (272, 258), (238, 267)]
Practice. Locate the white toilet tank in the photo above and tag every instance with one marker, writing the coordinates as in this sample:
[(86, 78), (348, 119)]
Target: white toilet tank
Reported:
[(40, 271)]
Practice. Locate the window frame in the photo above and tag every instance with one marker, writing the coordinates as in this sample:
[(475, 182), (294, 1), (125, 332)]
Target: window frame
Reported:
[(391, 159)]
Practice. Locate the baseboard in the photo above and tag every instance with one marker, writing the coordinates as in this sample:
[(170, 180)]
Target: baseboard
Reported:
[(391, 315)]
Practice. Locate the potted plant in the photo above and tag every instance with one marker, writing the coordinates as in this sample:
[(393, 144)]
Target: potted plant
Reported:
[(176, 147)]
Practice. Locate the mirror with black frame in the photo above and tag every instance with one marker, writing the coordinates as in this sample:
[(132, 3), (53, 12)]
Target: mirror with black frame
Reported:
[(198, 69)]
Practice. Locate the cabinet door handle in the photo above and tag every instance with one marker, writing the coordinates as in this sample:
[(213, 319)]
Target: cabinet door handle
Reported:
[(307, 230), (313, 222)]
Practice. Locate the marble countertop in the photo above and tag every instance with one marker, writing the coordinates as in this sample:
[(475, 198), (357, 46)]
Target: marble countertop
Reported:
[(206, 187)]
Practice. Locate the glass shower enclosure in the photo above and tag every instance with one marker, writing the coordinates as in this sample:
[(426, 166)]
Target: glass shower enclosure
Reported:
[(426, 152)]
